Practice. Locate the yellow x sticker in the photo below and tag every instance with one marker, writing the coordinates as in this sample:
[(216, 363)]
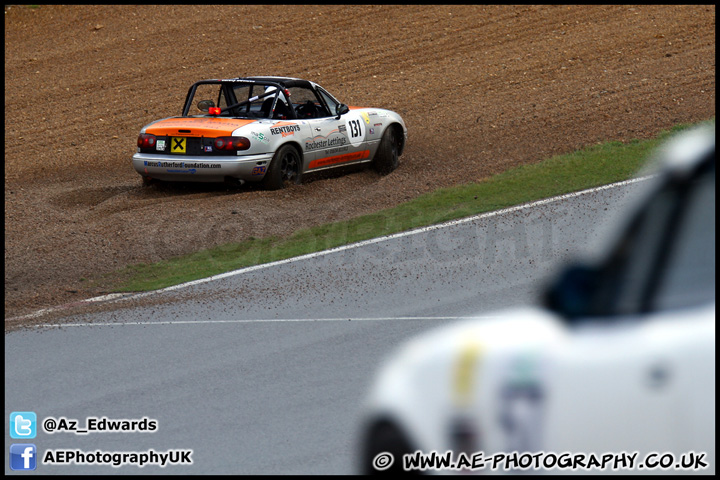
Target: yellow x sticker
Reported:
[(178, 145)]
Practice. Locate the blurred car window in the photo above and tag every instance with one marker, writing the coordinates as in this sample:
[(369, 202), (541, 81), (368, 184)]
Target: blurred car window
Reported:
[(631, 268), (689, 278), (666, 259)]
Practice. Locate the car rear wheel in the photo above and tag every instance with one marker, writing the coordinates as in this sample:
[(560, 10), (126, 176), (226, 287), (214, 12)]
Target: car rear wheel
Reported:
[(387, 157), (285, 169)]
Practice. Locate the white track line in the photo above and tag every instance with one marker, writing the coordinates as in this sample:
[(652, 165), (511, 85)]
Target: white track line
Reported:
[(258, 320), (122, 296)]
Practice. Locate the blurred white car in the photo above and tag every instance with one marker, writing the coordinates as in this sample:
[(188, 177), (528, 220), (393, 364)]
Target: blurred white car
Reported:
[(620, 358)]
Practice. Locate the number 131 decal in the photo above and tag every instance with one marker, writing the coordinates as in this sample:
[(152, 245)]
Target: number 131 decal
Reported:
[(356, 130)]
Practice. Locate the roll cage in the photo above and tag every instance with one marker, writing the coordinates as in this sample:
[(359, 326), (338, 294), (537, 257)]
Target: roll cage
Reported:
[(258, 92)]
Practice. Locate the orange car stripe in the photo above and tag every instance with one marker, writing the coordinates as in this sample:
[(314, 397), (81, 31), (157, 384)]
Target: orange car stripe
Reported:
[(282, 124), (345, 157), (197, 127)]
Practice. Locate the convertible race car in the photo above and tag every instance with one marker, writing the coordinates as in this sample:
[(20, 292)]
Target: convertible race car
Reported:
[(265, 129), (614, 371)]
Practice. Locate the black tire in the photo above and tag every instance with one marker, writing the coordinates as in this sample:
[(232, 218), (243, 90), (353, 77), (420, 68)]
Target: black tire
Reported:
[(387, 157), (285, 169), (385, 438)]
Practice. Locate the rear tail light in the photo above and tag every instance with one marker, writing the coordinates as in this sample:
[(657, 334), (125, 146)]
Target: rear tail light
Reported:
[(145, 140), (232, 143)]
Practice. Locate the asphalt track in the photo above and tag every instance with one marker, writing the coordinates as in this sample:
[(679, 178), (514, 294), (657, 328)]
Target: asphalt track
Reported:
[(264, 371)]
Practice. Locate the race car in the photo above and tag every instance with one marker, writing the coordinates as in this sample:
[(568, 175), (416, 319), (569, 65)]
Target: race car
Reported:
[(265, 129), (617, 359)]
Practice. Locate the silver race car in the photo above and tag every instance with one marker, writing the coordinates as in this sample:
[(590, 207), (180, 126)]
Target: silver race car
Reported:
[(265, 129)]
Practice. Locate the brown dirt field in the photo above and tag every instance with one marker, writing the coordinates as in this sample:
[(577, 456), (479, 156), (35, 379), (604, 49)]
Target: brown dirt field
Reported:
[(482, 89)]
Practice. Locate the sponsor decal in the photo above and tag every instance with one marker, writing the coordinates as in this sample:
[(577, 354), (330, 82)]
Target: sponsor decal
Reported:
[(201, 165), (372, 113), (365, 117), (522, 398), (346, 157), (160, 145), (285, 130), (378, 125), (181, 165), (316, 144), (372, 131), (339, 149), (260, 137), (178, 144), (258, 170), (208, 148), (342, 128)]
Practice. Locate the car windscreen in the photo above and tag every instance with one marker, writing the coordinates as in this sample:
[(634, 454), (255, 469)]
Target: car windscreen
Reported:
[(666, 260), (689, 276)]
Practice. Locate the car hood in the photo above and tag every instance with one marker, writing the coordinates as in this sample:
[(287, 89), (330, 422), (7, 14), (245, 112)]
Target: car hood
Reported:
[(196, 126)]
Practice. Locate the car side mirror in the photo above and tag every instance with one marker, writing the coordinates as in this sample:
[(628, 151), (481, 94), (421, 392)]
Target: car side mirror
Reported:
[(205, 105), (342, 109), (572, 292)]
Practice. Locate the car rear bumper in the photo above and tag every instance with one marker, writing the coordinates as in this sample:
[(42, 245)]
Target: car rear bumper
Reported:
[(249, 168)]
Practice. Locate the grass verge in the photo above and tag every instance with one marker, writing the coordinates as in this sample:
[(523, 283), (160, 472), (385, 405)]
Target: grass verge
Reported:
[(593, 166)]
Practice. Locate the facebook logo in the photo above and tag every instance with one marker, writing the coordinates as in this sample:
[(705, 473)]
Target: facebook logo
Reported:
[(23, 456), (23, 425)]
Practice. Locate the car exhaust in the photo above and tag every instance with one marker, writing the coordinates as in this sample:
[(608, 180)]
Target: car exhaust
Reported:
[(234, 181)]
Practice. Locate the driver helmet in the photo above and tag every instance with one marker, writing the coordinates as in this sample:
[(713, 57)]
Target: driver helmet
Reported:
[(281, 95)]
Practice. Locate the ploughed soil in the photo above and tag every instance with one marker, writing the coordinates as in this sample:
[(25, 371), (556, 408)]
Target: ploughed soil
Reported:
[(482, 89)]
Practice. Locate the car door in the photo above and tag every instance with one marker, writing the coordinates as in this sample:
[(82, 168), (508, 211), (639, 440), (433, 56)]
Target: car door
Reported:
[(611, 389), (336, 141)]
